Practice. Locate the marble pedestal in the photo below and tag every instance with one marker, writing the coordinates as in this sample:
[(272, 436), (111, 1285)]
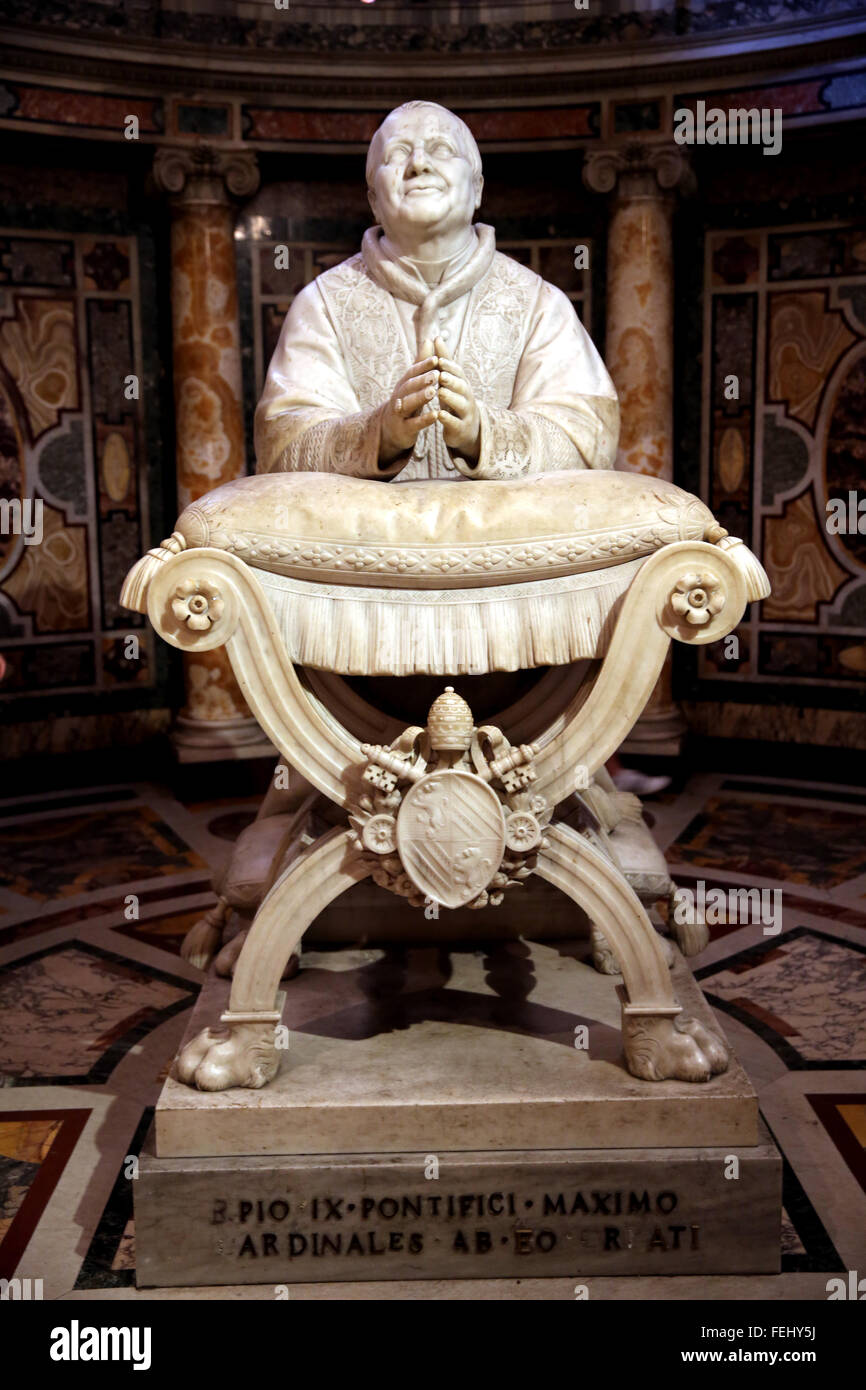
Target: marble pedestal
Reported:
[(404, 1063), (445, 1048), (505, 1214)]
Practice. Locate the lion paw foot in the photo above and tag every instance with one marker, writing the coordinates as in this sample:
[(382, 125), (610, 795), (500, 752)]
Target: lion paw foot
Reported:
[(246, 1055), (678, 1049), (691, 937)]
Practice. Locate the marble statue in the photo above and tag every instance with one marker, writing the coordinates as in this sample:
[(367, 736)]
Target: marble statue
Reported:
[(430, 357), (490, 372)]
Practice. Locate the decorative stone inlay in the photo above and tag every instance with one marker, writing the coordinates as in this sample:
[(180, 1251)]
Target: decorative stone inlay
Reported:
[(206, 368)]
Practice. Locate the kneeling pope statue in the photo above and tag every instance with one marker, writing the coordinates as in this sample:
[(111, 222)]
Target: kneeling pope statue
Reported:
[(429, 354)]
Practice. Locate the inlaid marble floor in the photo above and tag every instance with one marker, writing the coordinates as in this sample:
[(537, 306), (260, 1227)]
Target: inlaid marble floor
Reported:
[(94, 1000)]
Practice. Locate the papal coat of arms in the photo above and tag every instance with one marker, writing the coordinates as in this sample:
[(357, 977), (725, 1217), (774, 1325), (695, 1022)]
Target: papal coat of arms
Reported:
[(451, 817), (451, 836)]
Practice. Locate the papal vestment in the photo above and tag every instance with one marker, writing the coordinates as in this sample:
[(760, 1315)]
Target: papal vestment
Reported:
[(544, 396)]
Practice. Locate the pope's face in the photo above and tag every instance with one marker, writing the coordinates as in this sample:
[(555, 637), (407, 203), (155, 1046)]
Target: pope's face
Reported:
[(424, 183)]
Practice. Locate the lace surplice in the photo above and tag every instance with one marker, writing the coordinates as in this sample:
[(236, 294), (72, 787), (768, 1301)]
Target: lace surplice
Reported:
[(544, 396)]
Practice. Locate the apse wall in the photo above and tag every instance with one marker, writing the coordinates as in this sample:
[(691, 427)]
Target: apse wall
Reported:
[(770, 273)]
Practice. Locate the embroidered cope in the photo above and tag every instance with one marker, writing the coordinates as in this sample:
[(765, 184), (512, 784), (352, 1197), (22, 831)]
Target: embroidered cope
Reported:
[(543, 394)]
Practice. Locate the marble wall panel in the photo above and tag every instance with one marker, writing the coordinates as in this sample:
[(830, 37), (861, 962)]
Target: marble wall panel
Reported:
[(785, 317), (72, 441)]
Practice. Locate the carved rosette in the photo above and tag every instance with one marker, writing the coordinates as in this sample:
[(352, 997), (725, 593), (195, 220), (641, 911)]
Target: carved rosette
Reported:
[(197, 603), (698, 597), (450, 815)]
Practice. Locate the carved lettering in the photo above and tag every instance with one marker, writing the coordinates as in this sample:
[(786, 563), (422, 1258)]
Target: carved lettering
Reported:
[(261, 1223)]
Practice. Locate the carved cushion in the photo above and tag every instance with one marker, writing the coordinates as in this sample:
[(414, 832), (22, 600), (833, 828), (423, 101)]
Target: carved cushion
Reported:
[(442, 534)]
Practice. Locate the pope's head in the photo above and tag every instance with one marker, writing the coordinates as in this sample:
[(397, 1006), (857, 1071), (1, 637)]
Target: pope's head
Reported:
[(423, 173)]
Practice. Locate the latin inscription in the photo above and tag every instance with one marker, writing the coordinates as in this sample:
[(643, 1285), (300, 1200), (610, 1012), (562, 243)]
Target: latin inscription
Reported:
[(466, 1223)]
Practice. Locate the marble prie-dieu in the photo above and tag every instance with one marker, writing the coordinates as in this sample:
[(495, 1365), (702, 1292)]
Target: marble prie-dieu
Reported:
[(435, 496)]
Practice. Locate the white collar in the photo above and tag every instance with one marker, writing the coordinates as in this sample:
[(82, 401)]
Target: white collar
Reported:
[(432, 273), (404, 283)]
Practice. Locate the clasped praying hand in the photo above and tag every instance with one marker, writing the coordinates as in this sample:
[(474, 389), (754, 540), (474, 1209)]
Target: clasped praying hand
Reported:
[(434, 388)]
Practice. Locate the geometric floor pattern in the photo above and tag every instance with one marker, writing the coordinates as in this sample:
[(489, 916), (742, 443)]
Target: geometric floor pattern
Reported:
[(98, 888)]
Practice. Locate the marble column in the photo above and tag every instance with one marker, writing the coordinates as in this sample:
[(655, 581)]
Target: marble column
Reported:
[(642, 179), (208, 394)]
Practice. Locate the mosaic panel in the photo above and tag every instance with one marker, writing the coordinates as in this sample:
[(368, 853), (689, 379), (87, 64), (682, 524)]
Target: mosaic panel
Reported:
[(784, 445), (107, 1003), (35, 104), (844, 1118), (759, 837), (72, 444), (90, 850), (35, 1146), (801, 995)]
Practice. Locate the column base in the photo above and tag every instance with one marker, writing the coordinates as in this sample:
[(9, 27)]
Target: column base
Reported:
[(212, 740), (658, 733)]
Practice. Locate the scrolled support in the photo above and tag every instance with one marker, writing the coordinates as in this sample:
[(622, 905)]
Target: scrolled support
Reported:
[(656, 610), (242, 1050), (204, 598)]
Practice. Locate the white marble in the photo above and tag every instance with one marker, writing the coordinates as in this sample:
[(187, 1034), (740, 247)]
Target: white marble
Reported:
[(439, 1085)]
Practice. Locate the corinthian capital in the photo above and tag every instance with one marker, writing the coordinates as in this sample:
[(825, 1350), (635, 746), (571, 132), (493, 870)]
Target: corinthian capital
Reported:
[(205, 174), (640, 168)]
